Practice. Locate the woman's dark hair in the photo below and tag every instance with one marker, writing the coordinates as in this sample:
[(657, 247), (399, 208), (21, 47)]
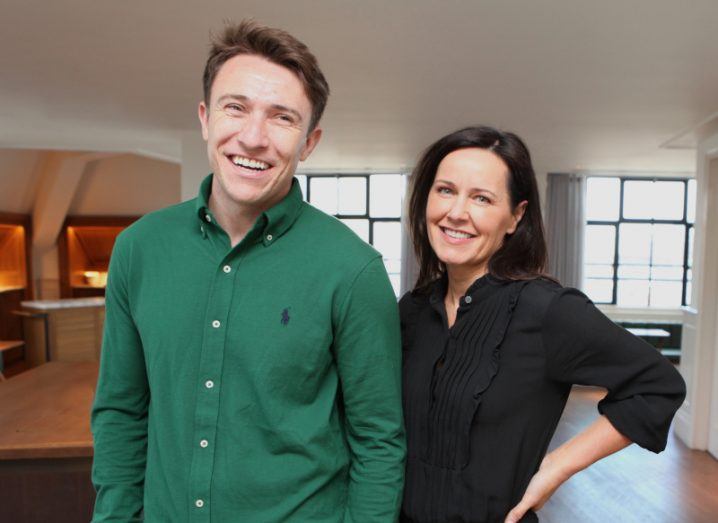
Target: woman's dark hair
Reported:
[(522, 255)]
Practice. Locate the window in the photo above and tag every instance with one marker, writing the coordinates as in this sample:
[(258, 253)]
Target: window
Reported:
[(370, 204), (639, 241)]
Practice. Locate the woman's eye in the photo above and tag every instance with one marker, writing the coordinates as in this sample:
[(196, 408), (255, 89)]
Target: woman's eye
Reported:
[(443, 190), (482, 199)]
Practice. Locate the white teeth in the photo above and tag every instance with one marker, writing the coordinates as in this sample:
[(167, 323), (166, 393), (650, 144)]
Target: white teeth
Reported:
[(252, 164), (457, 234)]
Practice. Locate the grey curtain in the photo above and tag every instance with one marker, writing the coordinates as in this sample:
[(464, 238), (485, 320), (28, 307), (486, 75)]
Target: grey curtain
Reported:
[(565, 226)]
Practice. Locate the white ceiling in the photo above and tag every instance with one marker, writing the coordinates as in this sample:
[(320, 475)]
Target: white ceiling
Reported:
[(590, 85)]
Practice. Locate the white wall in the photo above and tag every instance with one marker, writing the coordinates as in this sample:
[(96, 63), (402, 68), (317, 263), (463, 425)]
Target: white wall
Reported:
[(18, 180), (126, 185), (699, 345)]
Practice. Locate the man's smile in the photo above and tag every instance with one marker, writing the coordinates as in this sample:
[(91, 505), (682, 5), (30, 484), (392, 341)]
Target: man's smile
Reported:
[(249, 163)]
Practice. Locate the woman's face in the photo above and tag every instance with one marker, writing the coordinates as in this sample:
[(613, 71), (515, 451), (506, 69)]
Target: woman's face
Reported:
[(468, 211)]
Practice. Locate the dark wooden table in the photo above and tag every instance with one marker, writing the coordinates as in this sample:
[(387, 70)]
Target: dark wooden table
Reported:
[(46, 444)]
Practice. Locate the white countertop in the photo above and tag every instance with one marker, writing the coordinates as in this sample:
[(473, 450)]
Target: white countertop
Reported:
[(64, 304)]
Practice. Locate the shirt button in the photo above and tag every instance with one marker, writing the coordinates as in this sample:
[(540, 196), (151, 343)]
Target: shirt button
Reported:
[(204, 443), (467, 299), (216, 324), (199, 503), (208, 218), (209, 384), (227, 269), (269, 237)]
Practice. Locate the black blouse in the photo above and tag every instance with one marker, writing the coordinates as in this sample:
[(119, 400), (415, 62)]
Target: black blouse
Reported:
[(483, 398)]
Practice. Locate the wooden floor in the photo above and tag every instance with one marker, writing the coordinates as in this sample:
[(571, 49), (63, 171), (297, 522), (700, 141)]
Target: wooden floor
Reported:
[(677, 486)]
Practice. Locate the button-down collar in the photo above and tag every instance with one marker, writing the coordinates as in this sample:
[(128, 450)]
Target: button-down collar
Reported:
[(275, 221)]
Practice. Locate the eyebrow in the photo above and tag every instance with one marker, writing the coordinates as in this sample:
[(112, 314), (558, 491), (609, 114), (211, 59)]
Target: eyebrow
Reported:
[(276, 107), (477, 189)]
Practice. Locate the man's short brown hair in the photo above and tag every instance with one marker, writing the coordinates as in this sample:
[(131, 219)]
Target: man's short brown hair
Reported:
[(275, 45)]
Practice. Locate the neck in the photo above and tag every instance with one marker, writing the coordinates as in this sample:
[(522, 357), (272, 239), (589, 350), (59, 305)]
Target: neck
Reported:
[(234, 220), (459, 281)]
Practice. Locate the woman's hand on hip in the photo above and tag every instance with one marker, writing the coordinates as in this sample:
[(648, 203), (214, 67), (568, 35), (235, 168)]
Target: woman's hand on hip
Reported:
[(541, 487)]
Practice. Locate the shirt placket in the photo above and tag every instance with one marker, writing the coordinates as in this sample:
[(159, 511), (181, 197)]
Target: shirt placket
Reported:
[(209, 386)]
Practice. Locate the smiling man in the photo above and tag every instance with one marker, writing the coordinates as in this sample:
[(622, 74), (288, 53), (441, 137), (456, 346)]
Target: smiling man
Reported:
[(251, 359)]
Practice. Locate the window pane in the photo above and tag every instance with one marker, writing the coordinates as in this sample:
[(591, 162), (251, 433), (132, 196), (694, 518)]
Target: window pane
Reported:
[(647, 199), (323, 193), (668, 244), (386, 193), (387, 239), (635, 272), (360, 227), (603, 198), (599, 271), (690, 247), (302, 184), (352, 195), (395, 280), (664, 272), (632, 293), (600, 291), (669, 200), (666, 293), (600, 243), (634, 243), (689, 293), (691, 210)]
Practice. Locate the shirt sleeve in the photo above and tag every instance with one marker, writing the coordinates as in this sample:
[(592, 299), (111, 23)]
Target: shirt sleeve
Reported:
[(368, 354), (119, 412), (584, 347)]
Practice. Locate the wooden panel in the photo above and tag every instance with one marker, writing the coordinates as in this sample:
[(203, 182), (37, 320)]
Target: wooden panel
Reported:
[(45, 412), (15, 252), (84, 246), (40, 491), (74, 334), (34, 331)]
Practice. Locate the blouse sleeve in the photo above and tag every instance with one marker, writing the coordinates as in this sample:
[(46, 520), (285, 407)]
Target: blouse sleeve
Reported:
[(584, 347)]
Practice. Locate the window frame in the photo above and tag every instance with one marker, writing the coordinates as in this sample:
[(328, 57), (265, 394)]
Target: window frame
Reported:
[(652, 221), (367, 203)]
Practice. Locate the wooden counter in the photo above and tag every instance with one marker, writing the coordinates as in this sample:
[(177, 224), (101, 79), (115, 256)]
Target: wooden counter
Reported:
[(45, 412), (46, 444), (69, 330)]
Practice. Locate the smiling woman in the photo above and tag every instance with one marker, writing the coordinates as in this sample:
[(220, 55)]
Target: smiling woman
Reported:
[(492, 345)]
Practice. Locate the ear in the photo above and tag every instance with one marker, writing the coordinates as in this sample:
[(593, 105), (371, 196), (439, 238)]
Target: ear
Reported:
[(310, 143), (517, 213), (203, 114)]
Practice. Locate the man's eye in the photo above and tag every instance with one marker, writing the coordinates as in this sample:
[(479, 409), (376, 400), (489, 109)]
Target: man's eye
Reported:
[(234, 108), (285, 118)]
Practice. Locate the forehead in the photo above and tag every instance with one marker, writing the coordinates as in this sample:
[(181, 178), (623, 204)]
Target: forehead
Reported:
[(257, 78), (474, 166)]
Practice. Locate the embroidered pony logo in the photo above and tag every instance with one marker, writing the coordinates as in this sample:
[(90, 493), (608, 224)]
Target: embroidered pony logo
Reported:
[(285, 316)]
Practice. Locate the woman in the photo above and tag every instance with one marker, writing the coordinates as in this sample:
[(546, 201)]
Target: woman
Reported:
[(492, 346)]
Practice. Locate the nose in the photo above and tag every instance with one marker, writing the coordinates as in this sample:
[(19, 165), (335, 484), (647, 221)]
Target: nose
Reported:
[(457, 211), (253, 134)]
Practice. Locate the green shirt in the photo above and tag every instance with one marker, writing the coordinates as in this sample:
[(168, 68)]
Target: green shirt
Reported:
[(259, 383)]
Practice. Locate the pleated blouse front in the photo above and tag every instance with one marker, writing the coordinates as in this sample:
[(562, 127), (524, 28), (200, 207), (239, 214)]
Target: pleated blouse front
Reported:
[(483, 398)]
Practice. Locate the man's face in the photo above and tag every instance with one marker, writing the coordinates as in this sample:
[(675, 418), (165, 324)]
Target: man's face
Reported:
[(257, 129)]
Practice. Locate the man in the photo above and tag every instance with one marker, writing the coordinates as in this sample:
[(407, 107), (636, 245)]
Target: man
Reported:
[(250, 366)]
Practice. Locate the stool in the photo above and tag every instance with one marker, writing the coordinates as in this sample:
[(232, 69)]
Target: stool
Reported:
[(5, 346)]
